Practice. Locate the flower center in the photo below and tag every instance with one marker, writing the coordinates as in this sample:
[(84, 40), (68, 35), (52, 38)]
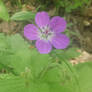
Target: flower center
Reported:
[(46, 33)]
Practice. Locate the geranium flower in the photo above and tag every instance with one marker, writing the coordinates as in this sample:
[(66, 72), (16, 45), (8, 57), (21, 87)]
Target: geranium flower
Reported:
[(47, 33)]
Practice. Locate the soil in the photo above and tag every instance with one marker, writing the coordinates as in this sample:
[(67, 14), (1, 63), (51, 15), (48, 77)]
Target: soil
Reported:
[(82, 25)]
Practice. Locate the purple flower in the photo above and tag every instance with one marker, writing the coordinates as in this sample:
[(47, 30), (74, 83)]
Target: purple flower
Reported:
[(48, 32)]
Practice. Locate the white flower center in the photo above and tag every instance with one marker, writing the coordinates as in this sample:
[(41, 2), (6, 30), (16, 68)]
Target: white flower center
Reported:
[(46, 33)]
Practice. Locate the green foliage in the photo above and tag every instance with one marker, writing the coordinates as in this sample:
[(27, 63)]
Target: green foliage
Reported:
[(70, 5), (30, 71), (66, 54), (65, 5), (23, 15), (3, 11), (13, 83), (63, 58), (85, 76)]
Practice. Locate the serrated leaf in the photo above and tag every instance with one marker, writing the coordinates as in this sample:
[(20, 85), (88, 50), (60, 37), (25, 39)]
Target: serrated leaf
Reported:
[(12, 84), (3, 11), (12, 53), (4, 51), (17, 42), (23, 15), (19, 61), (67, 54)]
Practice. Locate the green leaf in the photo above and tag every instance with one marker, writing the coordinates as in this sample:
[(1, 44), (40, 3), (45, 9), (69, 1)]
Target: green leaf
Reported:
[(3, 43), (23, 15), (18, 84), (38, 71), (64, 60), (12, 84), (23, 56), (26, 57), (39, 87), (20, 60), (53, 71), (17, 42), (85, 76), (12, 52), (3, 11), (39, 62), (67, 54), (56, 87)]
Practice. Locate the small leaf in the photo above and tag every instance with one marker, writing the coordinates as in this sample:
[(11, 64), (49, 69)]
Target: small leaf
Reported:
[(3, 12), (23, 15)]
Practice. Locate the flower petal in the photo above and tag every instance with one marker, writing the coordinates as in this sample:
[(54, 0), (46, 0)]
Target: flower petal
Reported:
[(43, 46), (30, 32), (58, 24), (60, 41), (42, 19)]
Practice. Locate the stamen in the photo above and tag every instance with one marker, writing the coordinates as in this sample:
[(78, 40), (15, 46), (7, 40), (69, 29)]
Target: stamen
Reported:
[(46, 33)]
